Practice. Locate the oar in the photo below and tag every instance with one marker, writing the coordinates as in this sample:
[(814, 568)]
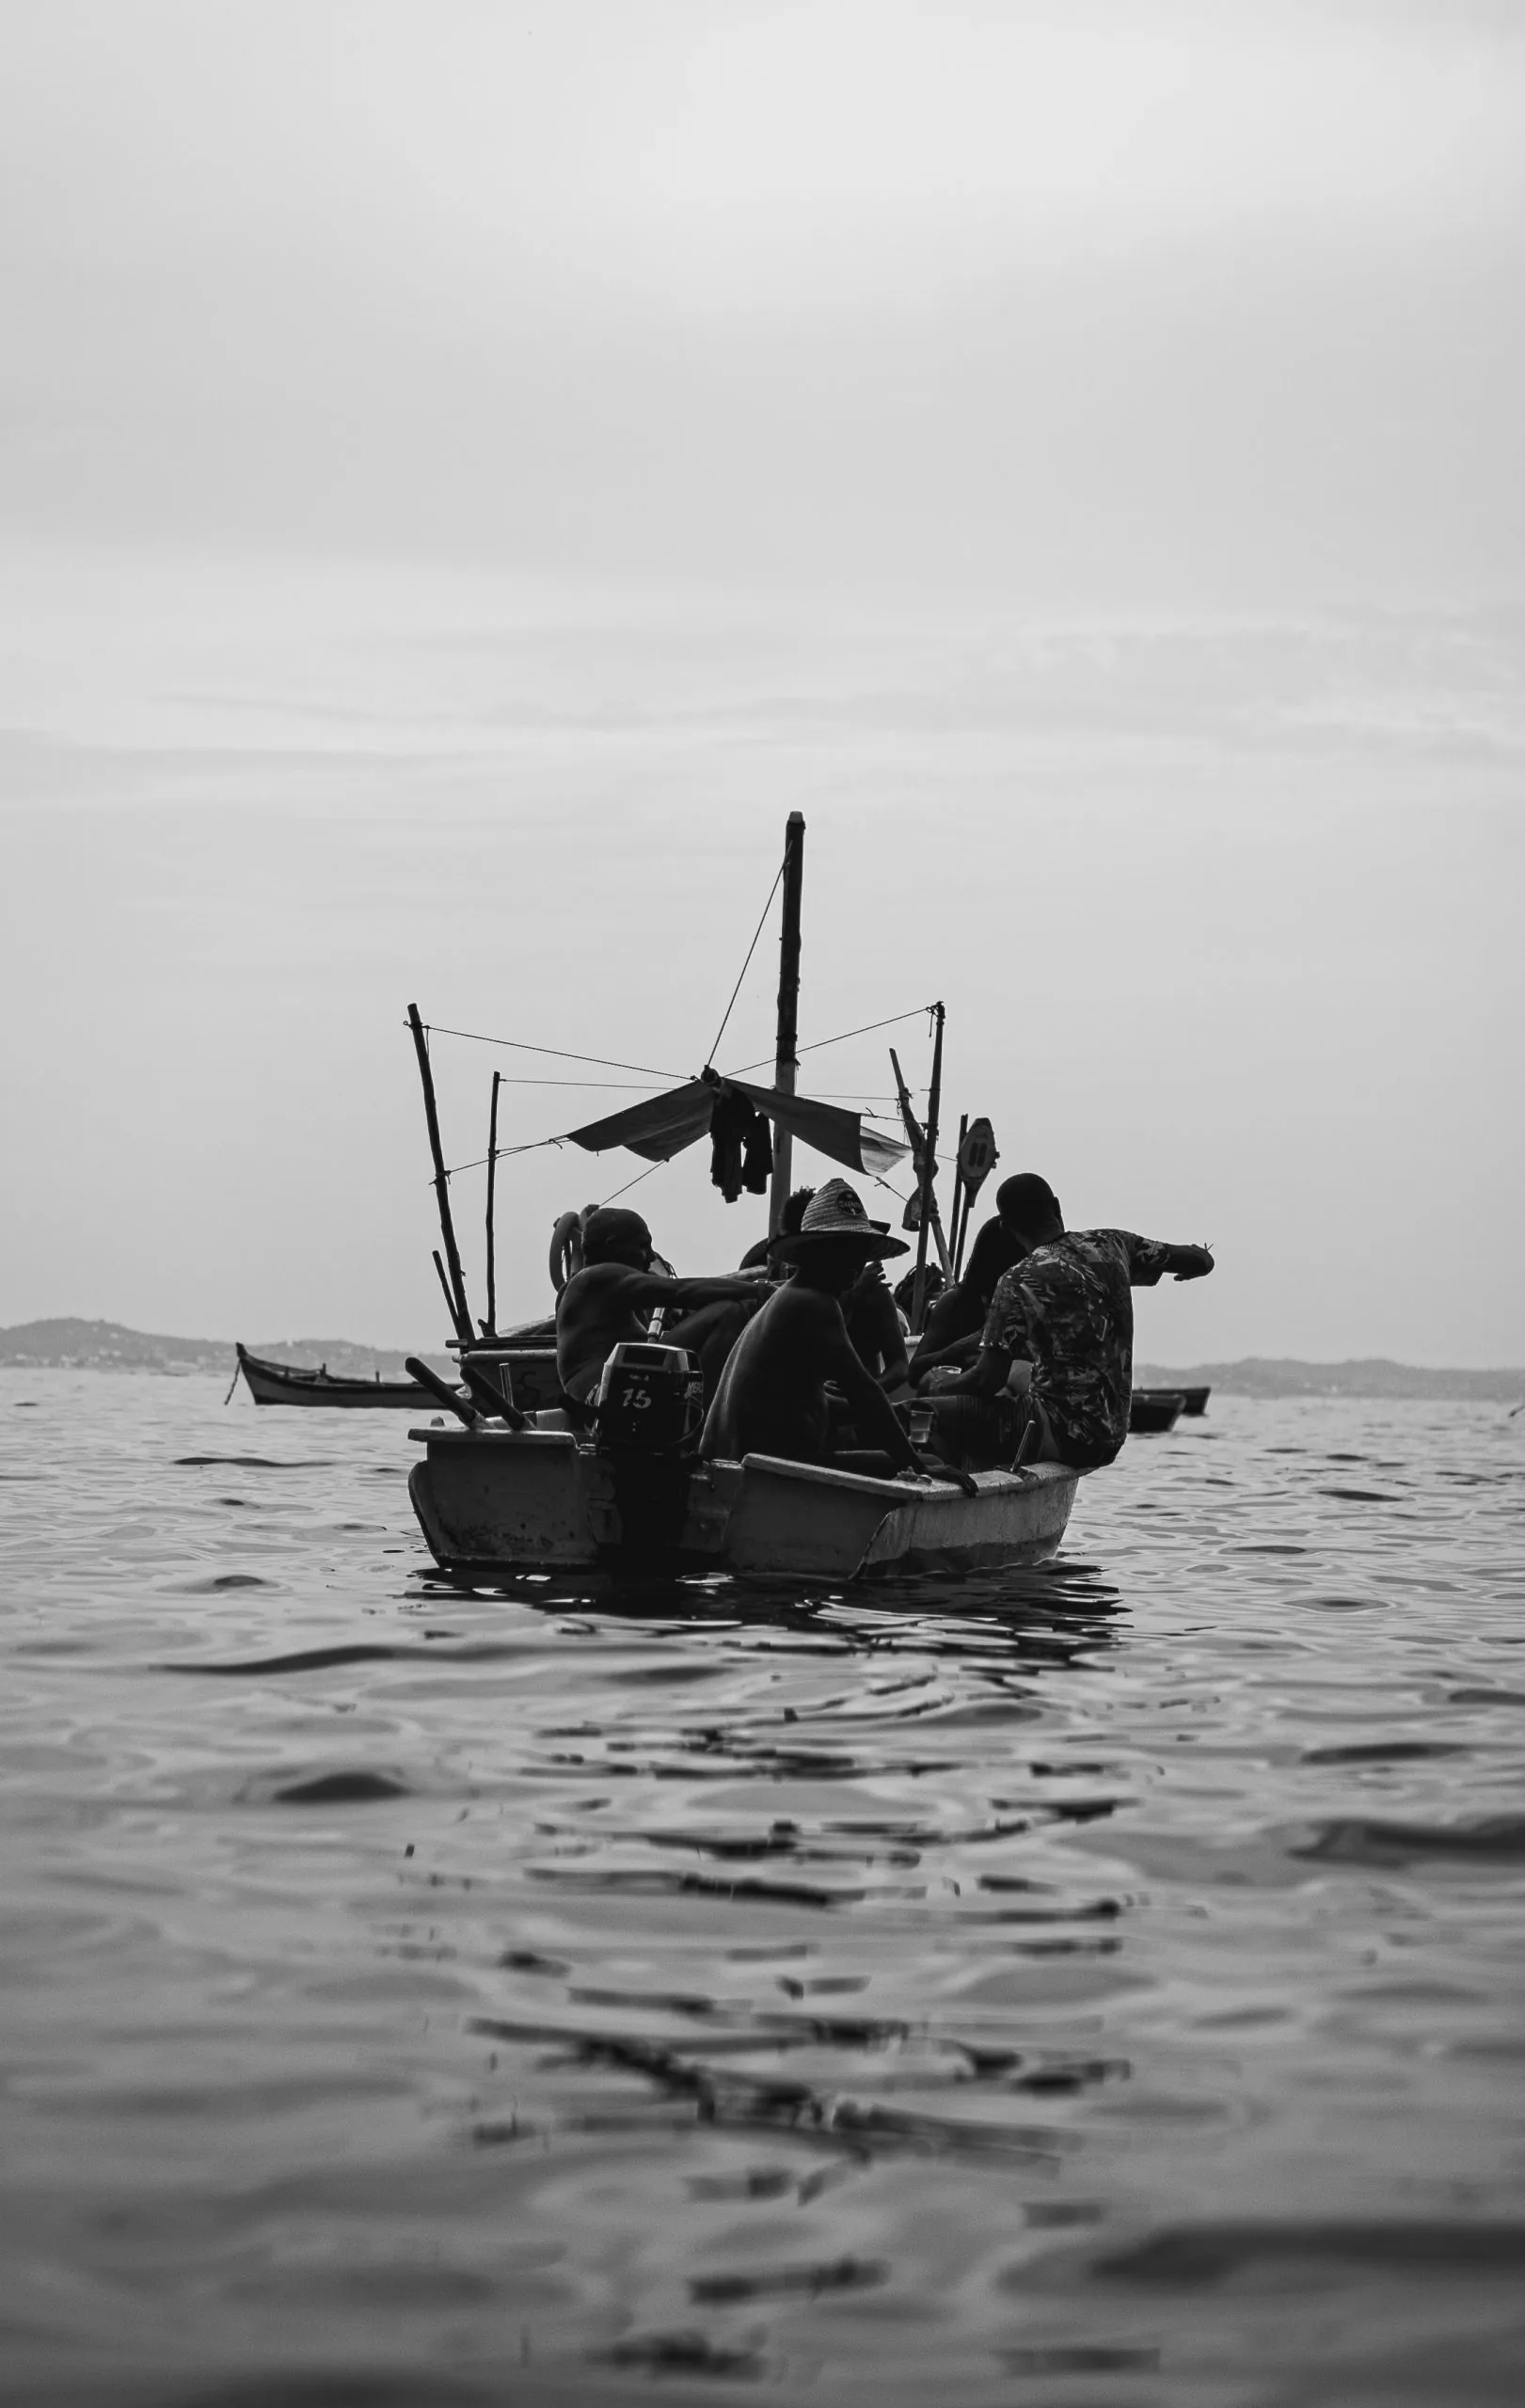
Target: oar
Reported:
[(490, 1400), (440, 1389), (487, 1401)]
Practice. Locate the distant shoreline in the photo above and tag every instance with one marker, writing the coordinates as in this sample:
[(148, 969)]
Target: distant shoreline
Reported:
[(76, 1345), (1372, 1376)]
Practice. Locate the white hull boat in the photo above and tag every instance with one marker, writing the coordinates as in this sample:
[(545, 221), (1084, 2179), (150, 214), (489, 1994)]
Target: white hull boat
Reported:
[(493, 1500)]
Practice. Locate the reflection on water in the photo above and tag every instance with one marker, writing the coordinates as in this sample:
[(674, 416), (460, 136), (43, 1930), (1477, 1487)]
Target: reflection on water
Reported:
[(1092, 1984)]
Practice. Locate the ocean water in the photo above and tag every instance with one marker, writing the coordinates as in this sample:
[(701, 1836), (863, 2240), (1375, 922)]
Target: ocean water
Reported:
[(1097, 1986)]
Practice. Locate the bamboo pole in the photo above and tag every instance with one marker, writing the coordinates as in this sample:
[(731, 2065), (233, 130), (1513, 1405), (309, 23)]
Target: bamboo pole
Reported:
[(460, 1311), (444, 1287), (786, 1059), (490, 1325), (918, 1148), (929, 1173), (955, 1238)]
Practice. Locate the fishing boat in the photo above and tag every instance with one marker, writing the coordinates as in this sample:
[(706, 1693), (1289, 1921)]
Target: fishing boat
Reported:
[(1152, 1411), (492, 1501), (510, 1484), (1194, 1402), (293, 1384), (522, 1365)]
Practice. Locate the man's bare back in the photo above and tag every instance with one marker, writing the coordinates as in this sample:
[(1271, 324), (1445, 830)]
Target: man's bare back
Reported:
[(772, 1398), (601, 1308), (609, 1302)]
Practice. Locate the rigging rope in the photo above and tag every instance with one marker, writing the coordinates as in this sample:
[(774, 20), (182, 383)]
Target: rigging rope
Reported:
[(533, 1147), (745, 966), (535, 1143), (473, 1036), (634, 1182), (820, 1042), (634, 1086)]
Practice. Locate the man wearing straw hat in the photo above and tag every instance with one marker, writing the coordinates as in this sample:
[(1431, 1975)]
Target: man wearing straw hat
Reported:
[(773, 1394)]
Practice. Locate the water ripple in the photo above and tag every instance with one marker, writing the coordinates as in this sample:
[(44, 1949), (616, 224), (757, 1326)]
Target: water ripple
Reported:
[(1017, 1986)]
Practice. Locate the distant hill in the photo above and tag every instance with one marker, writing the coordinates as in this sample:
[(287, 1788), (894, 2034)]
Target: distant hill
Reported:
[(107, 1346), (1372, 1376)]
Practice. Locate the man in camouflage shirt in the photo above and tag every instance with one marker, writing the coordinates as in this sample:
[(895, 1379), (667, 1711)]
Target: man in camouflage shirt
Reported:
[(1064, 1315)]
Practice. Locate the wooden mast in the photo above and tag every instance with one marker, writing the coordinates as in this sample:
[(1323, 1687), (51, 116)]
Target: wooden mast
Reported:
[(455, 1293), (929, 1173), (786, 1060), (491, 1327)]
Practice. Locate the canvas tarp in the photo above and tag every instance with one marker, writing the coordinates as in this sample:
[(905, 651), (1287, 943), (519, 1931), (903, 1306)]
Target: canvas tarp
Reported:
[(669, 1122)]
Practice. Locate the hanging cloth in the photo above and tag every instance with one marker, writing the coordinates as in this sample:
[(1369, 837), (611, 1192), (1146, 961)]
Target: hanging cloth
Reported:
[(731, 1125), (758, 1157)]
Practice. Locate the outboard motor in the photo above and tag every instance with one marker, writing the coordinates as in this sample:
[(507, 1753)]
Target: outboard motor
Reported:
[(650, 1400), (650, 1407)]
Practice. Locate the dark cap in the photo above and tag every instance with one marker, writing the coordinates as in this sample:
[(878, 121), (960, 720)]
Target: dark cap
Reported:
[(610, 1230), (1027, 1201)]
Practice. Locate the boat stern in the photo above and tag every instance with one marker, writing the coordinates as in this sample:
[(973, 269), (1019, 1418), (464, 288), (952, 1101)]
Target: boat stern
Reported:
[(492, 1496)]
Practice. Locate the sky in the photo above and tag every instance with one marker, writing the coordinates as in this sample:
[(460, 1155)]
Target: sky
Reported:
[(468, 471)]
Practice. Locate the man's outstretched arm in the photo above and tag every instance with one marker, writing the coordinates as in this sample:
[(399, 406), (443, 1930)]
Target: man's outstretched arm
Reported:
[(1188, 1261), (648, 1290)]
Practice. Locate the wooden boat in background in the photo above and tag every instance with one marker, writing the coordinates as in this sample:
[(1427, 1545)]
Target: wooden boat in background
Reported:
[(292, 1384), (1194, 1401), (526, 1372), (1152, 1411)]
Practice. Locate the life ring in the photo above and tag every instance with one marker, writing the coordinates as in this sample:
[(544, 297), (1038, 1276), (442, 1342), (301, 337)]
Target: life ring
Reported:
[(565, 1250)]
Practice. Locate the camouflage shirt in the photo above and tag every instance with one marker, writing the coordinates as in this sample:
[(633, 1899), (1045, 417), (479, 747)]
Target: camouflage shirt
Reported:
[(1067, 1309)]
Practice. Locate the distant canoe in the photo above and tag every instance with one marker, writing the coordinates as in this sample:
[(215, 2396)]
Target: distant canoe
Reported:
[(1155, 1410), (532, 1384), (292, 1384), (1194, 1401)]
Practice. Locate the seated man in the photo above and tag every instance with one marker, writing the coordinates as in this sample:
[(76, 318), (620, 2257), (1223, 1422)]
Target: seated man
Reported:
[(869, 1308), (1060, 1331), (960, 1311), (875, 1327), (772, 1399), (610, 1299)]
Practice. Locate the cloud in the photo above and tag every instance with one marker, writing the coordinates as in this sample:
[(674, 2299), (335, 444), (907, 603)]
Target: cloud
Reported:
[(1096, 298)]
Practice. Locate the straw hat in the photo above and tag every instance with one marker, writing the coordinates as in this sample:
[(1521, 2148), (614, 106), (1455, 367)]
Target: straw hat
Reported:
[(835, 1211)]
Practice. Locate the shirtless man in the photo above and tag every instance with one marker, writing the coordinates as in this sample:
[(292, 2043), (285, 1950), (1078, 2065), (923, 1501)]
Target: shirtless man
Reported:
[(869, 1308), (875, 1328), (772, 1399), (611, 1298), (1060, 1334)]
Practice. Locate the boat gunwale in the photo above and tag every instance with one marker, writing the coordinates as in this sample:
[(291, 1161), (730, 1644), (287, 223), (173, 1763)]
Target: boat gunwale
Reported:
[(925, 1486)]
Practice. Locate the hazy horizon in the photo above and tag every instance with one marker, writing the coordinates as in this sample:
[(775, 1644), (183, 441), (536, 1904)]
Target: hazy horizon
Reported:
[(466, 475)]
